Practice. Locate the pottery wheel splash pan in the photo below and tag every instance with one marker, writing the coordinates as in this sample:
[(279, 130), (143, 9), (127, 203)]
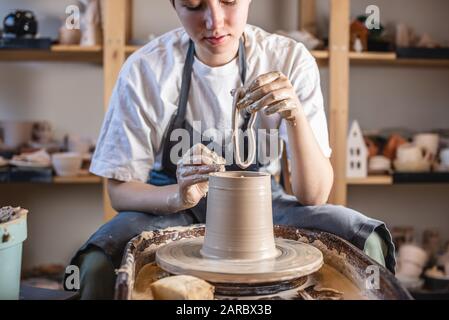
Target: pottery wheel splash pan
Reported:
[(348, 261), (294, 260)]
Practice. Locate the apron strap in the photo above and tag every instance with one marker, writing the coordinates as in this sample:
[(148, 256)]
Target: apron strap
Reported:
[(185, 86), (242, 61)]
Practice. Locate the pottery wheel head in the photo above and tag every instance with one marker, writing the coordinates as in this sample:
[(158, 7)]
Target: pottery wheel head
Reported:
[(294, 260)]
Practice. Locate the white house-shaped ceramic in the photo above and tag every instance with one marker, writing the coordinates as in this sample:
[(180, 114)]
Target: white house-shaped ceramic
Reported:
[(357, 153)]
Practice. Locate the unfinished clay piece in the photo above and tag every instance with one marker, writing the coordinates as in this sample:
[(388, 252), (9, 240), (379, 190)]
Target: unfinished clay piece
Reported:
[(239, 217), (239, 244)]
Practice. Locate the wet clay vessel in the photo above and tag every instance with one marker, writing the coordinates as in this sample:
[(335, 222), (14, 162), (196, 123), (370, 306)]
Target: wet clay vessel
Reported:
[(239, 245)]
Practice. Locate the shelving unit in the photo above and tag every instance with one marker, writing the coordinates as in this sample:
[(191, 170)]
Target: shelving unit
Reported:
[(115, 49), (341, 60), (56, 53), (371, 180), (89, 179)]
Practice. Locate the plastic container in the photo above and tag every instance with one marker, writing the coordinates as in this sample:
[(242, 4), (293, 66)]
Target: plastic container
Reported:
[(12, 235)]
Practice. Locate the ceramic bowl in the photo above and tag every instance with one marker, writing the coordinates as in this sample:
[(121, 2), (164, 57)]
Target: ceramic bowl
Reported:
[(410, 283), (411, 260), (67, 164), (379, 163), (409, 270), (413, 166)]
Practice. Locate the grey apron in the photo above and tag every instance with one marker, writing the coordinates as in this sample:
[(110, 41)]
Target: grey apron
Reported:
[(348, 224)]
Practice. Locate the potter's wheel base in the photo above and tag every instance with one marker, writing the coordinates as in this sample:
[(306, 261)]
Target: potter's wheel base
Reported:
[(260, 289), (295, 260)]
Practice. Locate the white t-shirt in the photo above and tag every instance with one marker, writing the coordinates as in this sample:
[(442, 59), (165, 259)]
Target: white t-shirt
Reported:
[(147, 92)]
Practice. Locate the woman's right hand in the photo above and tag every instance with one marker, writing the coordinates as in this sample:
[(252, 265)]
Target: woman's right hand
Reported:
[(193, 174)]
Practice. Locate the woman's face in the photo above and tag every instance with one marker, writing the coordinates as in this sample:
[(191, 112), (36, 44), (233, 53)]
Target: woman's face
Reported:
[(214, 26)]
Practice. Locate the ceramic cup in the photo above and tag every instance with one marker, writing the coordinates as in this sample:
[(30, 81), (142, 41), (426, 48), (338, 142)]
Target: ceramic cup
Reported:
[(444, 156), (379, 163), (409, 153), (67, 164), (412, 260), (16, 133), (239, 223), (429, 143), (69, 36)]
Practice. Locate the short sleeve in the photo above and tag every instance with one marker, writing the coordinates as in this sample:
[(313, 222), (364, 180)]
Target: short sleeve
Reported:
[(125, 150), (305, 78)]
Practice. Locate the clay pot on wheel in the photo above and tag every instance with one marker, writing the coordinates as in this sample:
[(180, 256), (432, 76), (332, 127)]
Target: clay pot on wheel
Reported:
[(239, 217)]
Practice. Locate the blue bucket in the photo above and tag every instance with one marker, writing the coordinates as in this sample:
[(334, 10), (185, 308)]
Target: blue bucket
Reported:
[(12, 235)]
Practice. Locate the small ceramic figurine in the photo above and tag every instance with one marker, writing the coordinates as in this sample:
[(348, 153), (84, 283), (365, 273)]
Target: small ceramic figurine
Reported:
[(91, 33), (357, 153), (359, 33), (358, 46), (69, 36)]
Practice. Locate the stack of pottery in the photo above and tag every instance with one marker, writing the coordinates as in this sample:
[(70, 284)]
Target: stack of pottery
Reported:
[(419, 155), (67, 164), (411, 262), (379, 165)]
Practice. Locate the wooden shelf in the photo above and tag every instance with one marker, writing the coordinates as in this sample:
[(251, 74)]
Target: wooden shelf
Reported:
[(442, 63), (129, 49), (402, 178), (89, 179), (85, 179), (371, 180), (56, 53), (320, 54), (390, 58), (372, 56)]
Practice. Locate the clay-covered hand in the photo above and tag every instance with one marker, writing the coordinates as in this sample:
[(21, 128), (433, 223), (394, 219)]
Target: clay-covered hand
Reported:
[(273, 93), (193, 174)]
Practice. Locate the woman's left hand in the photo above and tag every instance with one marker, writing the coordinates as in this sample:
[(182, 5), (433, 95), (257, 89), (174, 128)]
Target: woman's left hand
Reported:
[(273, 93)]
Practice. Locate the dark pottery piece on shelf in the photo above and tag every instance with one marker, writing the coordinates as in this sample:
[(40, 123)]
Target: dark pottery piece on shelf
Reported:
[(20, 24), (18, 44), (4, 174), (436, 284), (420, 177), (423, 53), (43, 175), (379, 46)]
